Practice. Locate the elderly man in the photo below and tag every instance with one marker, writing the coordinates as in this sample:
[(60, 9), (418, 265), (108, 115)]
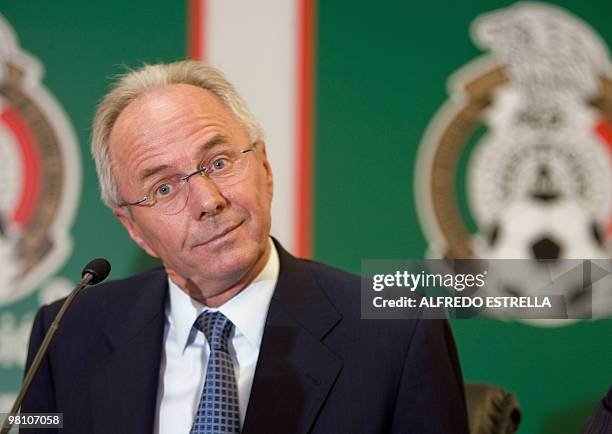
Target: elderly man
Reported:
[(233, 334)]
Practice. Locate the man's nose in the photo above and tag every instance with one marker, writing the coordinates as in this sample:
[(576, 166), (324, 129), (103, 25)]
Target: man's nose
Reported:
[(205, 197)]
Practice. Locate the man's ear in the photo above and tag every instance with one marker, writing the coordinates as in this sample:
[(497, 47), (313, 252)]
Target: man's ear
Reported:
[(128, 223), (267, 168)]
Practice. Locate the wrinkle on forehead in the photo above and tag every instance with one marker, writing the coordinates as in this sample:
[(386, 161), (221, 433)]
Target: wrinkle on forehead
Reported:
[(165, 125)]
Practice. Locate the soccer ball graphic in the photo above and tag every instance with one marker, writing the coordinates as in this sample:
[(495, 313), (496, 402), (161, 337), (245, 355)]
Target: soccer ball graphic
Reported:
[(553, 237), (544, 229)]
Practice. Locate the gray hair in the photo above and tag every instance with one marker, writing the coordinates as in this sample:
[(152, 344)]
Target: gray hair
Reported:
[(150, 77)]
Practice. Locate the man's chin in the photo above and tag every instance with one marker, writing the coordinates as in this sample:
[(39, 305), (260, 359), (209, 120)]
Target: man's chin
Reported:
[(228, 267)]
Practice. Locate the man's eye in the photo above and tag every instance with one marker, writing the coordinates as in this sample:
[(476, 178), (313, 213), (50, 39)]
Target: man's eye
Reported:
[(219, 164), (164, 190)]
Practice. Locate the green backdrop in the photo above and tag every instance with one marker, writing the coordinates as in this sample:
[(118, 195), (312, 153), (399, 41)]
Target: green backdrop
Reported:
[(381, 75)]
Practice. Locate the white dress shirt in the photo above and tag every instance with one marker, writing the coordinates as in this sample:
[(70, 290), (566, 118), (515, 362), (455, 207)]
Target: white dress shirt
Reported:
[(186, 350)]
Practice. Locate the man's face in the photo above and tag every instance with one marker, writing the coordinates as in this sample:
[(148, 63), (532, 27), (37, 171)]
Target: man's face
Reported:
[(222, 233)]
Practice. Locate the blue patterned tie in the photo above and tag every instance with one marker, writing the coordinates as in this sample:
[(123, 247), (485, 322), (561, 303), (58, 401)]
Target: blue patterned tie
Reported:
[(218, 410)]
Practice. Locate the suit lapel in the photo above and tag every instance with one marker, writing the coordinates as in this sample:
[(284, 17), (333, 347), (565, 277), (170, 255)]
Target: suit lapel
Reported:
[(295, 370), (124, 386)]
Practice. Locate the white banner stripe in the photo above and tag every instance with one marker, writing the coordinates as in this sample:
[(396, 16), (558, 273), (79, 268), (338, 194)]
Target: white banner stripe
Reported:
[(254, 43)]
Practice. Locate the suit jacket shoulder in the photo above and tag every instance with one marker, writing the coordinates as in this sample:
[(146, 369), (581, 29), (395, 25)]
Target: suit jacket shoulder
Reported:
[(101, 370), (600, 421), (323, 369)]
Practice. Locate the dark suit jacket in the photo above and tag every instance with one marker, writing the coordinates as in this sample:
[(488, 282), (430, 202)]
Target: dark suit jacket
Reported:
[(321, 369), (600, 421)]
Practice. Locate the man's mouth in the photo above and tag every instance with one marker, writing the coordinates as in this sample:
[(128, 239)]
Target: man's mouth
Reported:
[(219, 234)]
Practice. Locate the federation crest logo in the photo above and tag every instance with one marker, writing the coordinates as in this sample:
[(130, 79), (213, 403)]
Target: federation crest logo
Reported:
[(39, 174), (518, 162)]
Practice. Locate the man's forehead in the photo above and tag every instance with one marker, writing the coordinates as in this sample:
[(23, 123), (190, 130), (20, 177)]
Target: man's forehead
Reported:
[(174, 98), (175, 110)]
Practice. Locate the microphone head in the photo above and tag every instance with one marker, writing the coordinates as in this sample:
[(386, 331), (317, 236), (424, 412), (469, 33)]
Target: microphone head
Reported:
[(99, 268)]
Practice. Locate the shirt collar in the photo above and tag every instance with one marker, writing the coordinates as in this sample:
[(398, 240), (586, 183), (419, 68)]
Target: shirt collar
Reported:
[(247, 310)]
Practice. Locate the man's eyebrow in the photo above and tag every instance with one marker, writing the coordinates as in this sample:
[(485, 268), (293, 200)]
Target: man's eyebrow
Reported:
[(205, 147), (147, 173), (213, 142)]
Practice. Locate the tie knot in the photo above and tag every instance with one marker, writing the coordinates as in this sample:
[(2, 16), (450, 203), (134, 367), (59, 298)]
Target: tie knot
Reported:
[(217, 329)]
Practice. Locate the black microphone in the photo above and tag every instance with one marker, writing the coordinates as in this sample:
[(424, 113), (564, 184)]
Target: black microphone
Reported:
[(99, 268), (94, 272)]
